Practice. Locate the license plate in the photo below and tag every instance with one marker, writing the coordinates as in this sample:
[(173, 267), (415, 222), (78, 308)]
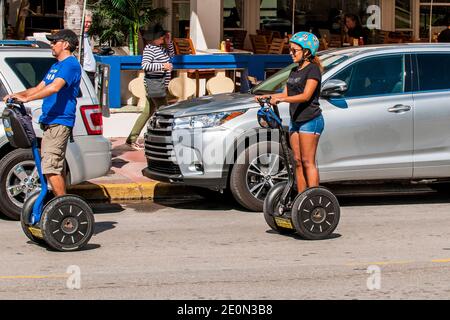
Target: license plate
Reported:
[(283, 223), (36, 232)]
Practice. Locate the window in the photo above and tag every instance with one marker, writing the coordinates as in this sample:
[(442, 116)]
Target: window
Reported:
[(181, 11), (233, 14), (374, 76), (277, 82), (30, 71), (403, 15), (3, 91), (277, 15), (431, 75), (440, 11)]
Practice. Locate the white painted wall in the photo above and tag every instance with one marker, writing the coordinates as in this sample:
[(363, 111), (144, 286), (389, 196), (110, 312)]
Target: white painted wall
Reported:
[(206, 23)]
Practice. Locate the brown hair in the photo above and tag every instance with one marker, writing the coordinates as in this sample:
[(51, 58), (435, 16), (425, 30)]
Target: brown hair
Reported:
[(317, 62)]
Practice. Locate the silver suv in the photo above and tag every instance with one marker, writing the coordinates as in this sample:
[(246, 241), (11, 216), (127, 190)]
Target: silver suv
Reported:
[(387, 117), (88, 157)]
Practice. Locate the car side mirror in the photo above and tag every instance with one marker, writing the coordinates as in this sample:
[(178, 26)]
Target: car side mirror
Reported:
[(334, 89)]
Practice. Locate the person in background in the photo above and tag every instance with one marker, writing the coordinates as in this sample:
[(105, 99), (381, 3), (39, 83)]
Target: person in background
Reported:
[(444, 35), (157, 67), (353, 29), (89, 64)]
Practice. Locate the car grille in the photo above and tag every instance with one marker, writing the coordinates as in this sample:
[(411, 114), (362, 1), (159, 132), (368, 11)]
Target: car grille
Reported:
[(158, 145)]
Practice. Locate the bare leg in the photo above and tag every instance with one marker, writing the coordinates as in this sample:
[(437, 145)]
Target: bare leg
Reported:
[(58, 184), (308, 148), (299, 174)]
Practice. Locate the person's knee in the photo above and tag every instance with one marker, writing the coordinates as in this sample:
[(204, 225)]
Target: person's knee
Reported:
[(308, 163)]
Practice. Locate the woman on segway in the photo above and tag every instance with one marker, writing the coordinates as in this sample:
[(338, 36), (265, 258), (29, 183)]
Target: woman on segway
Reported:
[(302, 91)]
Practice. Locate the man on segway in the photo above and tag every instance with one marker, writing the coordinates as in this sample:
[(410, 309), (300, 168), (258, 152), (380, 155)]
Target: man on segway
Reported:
[(59, 89)]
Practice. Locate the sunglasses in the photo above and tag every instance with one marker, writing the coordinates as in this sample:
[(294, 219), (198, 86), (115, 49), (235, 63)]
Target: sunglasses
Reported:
[(294, 51), (53, 42)]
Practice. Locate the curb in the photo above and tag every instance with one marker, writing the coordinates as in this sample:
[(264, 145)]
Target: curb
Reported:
[(128, 191)]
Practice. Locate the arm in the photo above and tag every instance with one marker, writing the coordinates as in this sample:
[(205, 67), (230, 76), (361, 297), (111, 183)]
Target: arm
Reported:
[(44, 92), (26, 93), (148, 64), (281, 95), (305, 96)]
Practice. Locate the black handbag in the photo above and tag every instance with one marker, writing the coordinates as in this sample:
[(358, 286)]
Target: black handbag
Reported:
[(156, 87)]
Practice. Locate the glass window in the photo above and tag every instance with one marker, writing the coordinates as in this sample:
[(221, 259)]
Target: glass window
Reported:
[(374, 76), (233, 14), (181, 11), (3, 91), (278, 81), (403, 10), (439, 21), (30, 71), (277, 15), (431, 76)]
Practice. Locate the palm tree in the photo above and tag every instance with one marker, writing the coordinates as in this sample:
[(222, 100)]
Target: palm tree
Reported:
[(73, 10), (114, 18)]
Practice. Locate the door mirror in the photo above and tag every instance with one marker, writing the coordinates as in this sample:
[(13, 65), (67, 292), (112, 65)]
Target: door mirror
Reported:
[(334, 88)]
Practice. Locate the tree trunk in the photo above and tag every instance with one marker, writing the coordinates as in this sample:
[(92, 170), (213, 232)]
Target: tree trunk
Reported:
[(73, 11)]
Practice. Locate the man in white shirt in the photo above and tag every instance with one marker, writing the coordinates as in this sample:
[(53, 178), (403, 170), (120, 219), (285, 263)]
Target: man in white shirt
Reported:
[(89, 65)]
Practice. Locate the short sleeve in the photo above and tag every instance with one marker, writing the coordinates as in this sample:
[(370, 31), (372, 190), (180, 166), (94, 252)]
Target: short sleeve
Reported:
[(70, 72), (314, 73)]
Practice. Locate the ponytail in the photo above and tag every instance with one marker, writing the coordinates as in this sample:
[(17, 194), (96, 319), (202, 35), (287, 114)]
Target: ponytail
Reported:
[(315, 60)]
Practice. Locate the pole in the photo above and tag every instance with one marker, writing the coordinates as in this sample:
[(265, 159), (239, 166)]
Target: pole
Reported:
[(293, 16), (82, 31), (431, 20), (2, 15)]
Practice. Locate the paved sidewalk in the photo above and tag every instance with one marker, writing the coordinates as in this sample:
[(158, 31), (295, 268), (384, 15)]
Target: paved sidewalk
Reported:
[(125, 180)]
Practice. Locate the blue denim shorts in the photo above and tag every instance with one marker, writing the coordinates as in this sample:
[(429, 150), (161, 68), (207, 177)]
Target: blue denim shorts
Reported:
[(314, 126)]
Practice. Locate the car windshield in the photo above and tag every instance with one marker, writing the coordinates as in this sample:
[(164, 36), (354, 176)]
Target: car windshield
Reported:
[(277, 82)]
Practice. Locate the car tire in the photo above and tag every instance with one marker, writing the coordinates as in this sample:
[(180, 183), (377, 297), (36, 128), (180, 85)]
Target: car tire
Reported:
[(10, 205), (241, 184)]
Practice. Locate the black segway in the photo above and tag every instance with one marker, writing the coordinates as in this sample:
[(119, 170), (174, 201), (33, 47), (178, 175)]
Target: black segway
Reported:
[(64, 223), (314, 214)]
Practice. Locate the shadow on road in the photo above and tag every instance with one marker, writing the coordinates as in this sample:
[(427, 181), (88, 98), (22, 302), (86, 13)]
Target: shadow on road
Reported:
[(394, 199), (104, 226)]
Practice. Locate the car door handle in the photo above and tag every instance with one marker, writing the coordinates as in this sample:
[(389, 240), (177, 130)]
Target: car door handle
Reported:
[(399, 108)]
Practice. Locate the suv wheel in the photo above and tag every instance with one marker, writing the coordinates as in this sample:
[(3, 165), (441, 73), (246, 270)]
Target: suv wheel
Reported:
[(18, 180), (255, 173)]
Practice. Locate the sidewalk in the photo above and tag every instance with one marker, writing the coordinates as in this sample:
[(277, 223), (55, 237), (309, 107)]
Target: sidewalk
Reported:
[(125, 180)]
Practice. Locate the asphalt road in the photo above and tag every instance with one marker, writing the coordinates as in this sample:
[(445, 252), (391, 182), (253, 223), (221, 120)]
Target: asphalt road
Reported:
[(198, 249)]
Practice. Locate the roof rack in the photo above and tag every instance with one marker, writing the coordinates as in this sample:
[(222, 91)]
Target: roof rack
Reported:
[(24, 43)]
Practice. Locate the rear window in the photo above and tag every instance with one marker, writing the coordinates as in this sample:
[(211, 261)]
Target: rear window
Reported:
[(30, 71), (433, 74)]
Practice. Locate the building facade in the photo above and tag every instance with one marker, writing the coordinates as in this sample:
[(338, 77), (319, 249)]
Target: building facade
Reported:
[(200, 17)]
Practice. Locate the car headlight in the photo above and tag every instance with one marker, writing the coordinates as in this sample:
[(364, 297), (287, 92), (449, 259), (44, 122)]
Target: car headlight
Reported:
[(206, 120)]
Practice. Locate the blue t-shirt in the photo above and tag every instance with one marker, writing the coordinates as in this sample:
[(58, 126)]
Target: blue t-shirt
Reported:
[(60, 107)]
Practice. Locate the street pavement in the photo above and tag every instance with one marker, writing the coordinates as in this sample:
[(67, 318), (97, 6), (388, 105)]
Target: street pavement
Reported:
[(385, 247)]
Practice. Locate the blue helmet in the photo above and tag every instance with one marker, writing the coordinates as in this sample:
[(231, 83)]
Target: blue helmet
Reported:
[(306, 40)]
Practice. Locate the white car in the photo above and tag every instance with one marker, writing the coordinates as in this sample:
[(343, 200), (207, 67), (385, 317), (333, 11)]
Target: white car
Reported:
[(22, 67)]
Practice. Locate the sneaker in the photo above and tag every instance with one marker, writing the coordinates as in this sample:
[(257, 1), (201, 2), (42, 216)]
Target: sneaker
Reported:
[(135, 146)]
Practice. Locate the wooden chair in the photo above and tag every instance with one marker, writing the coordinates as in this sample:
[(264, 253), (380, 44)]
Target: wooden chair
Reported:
[(266, 33), (239, 39), (335, 41), (277, 46), (259, 44), (185, 46)]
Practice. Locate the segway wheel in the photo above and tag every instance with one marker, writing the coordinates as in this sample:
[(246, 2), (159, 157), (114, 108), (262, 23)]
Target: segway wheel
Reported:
[(67, 223), (315, 213), (25, 218), (271, 205)]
